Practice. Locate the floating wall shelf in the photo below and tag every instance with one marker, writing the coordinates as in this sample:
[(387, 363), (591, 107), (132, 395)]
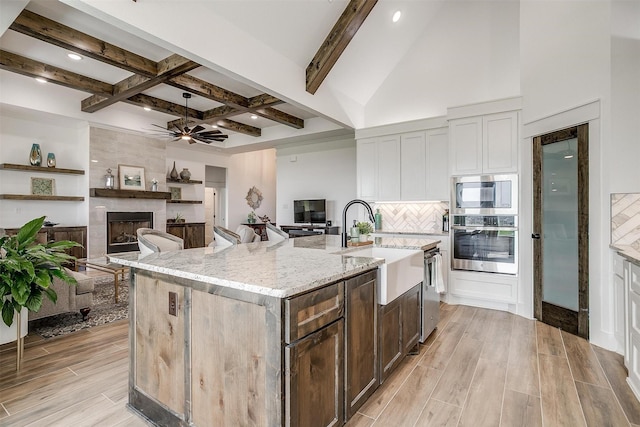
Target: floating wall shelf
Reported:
[(183, 181), (193, 202), (40, 197), (129, 194), (41, 169)]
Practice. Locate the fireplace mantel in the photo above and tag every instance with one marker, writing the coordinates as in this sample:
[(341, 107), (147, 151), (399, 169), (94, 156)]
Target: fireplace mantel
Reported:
[(129, 194)]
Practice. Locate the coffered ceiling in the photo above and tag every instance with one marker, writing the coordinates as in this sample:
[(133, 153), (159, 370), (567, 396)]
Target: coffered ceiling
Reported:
[(123, 66)]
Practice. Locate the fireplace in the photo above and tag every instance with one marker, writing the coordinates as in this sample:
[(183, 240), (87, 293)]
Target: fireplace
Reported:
[(121, 230)]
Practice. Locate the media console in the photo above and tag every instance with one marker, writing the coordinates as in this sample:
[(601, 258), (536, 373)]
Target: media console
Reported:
[(309, 230)]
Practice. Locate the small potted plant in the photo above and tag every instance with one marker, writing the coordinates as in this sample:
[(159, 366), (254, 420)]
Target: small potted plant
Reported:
[(365, 228), (178, 218)]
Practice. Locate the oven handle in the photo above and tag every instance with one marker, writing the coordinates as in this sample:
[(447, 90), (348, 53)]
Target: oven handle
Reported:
[(460, 227)]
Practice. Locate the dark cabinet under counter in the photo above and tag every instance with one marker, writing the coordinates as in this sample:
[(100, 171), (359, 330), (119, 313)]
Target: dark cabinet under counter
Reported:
[(191, 232)]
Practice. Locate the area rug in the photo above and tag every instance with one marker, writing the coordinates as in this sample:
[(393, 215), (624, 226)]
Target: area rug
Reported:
[(104, 310)]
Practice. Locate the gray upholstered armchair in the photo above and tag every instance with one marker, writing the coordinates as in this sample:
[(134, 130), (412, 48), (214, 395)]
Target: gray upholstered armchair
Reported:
[(150, 241), (70, 297)]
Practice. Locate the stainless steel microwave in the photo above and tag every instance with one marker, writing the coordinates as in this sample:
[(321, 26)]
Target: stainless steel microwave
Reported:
[(485, 195)]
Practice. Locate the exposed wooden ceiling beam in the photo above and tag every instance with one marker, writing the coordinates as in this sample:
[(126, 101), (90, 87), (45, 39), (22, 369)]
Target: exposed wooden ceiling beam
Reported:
[(209, 91), (264, 100), (28, 67), (341, 34), (60, 35), (238, 127), (170, 67), (163, 106), (280, 117)]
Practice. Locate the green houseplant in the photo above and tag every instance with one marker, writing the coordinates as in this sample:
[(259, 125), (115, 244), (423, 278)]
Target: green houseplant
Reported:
[(27, 269), (365, 228)]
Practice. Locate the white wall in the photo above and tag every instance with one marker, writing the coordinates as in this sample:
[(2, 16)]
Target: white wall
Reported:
[(68, 140), (322, 170), (625, 98), (566, 63), (246, 170), (468, 53)]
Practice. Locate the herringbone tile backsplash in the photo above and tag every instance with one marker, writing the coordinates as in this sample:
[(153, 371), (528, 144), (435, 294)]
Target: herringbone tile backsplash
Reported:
[(418, 217), (625, 219)]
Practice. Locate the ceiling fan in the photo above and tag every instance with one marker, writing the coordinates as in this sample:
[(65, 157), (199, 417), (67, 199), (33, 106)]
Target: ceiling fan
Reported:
[(198, 133)]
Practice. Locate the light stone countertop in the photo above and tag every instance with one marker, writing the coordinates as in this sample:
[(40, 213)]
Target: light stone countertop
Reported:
[(629, 252), (413, 232), (280, 270)]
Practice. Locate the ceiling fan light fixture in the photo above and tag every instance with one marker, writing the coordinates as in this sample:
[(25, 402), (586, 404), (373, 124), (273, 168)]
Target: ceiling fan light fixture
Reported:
[(396, 16), (74, 56), (41, 80), (198, 133)]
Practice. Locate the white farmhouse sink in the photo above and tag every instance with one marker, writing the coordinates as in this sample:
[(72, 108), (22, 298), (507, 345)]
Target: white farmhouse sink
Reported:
[(401, 271)]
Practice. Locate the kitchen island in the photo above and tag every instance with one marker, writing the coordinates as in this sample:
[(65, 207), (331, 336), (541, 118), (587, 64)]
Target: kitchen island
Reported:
[(254, 334)]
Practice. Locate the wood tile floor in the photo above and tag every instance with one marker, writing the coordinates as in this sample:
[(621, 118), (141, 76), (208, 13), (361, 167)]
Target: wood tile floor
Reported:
[(480, 368)]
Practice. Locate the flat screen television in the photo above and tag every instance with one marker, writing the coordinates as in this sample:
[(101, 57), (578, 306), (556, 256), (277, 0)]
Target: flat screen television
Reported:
[(310, 211)]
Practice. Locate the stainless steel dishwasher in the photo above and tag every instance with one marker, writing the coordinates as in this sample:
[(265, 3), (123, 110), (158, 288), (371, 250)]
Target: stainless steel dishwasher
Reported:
[(430, 313)]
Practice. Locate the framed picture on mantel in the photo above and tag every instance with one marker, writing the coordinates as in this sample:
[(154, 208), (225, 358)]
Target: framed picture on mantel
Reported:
[(131, 177)]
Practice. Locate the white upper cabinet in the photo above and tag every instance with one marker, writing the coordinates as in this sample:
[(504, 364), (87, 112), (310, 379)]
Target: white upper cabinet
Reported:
[(413, 176), (484, 144), (367, 169), (466, 146), (500, 142), (437, 164), (389, 168), (411, 166)]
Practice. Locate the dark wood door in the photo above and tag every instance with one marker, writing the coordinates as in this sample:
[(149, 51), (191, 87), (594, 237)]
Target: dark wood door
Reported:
[(361, 337), (390, 337), (410, 319), (561, 229), (314, 378)]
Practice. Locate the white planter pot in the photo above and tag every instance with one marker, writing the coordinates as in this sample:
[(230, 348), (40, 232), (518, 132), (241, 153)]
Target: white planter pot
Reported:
[(364, 238), (10, 333)]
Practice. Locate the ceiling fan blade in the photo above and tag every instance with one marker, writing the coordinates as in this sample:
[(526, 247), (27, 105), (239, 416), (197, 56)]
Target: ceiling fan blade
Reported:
[(197, 129)]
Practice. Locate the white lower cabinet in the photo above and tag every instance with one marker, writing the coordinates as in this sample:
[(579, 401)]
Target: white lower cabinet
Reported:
[(632, 329)]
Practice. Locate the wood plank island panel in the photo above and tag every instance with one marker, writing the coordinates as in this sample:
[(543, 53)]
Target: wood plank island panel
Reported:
[(129, 194), (29, 168)]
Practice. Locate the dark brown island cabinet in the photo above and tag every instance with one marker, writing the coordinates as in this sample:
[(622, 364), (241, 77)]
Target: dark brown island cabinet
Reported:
[(399, 330), (191, 232)]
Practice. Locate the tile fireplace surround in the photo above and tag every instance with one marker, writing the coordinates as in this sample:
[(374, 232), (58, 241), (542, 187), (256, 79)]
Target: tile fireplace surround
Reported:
[(110, 149)]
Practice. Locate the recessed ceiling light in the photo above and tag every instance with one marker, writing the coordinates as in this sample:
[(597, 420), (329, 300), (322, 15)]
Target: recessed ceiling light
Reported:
[(396, 16), (147, 109), (253, 116), (41, 80), (568, 156), (94, 161), (214, 126), (74, 56)]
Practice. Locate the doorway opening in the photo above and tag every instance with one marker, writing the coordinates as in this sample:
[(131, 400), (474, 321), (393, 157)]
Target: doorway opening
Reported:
[(561, 229), (215, 199)]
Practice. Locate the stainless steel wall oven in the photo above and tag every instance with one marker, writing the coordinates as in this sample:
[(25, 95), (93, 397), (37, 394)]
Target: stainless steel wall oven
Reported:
[(487, 243)]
